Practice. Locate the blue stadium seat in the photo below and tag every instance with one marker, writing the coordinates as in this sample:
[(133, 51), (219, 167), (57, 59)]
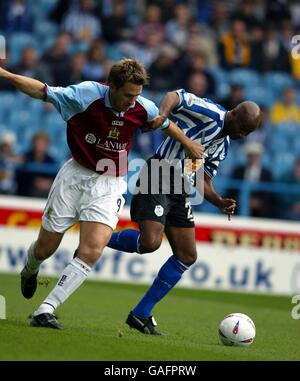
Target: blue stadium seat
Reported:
[(296, 144), (53, 120), (10, 102), (221, 79), (45, 29), (17, 42), (7, 99), (277, 81), (260, 95), (60, 152), (24, 120), (279, 141), (113, 52), (282, 164), (79, 47), (244, 77), (41, 8)]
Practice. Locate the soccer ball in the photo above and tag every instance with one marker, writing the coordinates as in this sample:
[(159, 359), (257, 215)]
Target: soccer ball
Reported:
[(237, 330)]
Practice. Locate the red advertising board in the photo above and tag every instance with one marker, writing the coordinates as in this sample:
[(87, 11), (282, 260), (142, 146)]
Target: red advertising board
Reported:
[(250, 235)]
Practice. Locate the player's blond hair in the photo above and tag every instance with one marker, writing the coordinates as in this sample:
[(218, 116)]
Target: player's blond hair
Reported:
[(127, 70)]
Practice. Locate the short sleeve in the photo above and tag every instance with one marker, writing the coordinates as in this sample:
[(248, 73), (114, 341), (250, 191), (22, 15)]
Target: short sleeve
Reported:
[(74, 99), (216, 153), (152, 111)]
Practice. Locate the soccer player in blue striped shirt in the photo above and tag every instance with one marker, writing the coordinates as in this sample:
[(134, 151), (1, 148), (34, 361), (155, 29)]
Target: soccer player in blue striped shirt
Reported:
[(212, 126)]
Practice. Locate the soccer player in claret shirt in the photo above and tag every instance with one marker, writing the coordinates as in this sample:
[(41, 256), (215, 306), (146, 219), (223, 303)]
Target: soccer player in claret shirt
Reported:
[(101, 121), (211, 125)]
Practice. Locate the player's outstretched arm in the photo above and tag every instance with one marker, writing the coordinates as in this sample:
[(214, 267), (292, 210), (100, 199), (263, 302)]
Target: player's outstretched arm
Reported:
[(29, 86), (193, 150), (168, 103), (226, 205)]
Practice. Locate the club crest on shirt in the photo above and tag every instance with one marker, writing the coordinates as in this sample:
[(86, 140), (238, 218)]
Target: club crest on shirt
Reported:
[(90, 138), (159, 210), (113, 133), (212, 148)]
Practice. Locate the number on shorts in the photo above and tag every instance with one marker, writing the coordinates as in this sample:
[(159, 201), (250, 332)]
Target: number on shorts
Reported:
[(189, 215), (119, 203)]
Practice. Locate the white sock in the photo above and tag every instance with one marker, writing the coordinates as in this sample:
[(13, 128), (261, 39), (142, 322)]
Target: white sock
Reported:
[(71, 278), (32, 265)]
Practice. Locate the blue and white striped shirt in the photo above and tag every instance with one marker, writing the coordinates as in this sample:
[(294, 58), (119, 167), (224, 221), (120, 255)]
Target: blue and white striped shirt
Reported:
[(202, 121)]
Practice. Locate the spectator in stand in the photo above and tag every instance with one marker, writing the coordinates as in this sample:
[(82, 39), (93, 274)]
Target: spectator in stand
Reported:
[(277, 10), (15, 16), (116, 27), (287, 34), (61, 8), (287, 109), (81, 23), (31, 66), (260, 203), (295, 13), (234, 46), (162, 73), (219, 21), (247, 11), (151, 22), (203, 40), (196, 62), (274, 57), (145, 53), (257, 44), (75, 74), (97, 66), (177, 29), (58, 58), (197, 85), (36, 183), (235, 97), (290, 202), (8, 161), (166, 7)]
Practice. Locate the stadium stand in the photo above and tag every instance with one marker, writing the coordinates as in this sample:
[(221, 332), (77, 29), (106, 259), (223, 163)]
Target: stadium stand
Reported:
[(38, 24)]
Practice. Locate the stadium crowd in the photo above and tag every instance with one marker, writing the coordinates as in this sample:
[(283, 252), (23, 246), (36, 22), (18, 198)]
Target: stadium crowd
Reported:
[(224, 50)]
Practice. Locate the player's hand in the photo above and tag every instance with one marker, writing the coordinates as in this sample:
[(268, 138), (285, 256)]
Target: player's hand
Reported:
[(194, 150), (153, 124), (227, 206)]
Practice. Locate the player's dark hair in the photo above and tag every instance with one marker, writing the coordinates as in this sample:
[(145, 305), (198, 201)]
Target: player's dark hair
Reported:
[(127, 70)]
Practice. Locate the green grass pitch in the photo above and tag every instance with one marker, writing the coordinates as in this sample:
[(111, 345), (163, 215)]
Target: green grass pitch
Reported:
[(95, 330)]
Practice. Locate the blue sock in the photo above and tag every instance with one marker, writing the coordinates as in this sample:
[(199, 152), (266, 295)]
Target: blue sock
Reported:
[(125, 240), (168, 275)]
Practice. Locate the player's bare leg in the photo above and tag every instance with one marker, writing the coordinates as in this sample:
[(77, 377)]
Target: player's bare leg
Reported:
[(93, 238), (183, 244), (151, 236), (46, 244), (145, 240)]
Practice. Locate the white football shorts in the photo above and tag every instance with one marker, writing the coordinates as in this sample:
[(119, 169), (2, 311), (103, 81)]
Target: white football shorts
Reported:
[(79, 194)]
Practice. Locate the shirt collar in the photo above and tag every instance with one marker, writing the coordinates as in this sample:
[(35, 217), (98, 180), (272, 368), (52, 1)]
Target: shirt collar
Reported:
[(108, 104)]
